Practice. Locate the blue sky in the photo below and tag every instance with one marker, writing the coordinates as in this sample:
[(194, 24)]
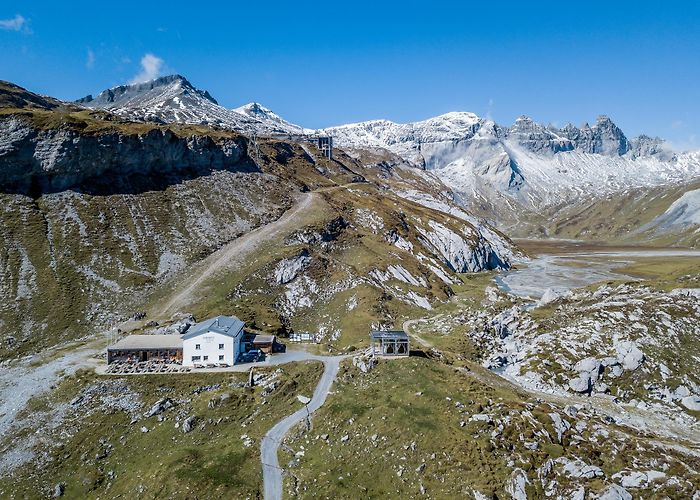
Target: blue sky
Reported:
[(320, 64)]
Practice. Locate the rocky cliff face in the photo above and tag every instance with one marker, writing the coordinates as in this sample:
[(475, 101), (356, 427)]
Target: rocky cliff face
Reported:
[(537, 138), (604, 138), (34, 161)]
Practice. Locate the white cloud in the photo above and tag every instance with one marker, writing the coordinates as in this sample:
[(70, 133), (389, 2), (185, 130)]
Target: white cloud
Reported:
[(18, 23), (151, 67), (676, 124), (90, 60)]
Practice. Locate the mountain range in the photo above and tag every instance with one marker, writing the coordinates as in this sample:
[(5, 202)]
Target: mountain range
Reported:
[(527, 178)]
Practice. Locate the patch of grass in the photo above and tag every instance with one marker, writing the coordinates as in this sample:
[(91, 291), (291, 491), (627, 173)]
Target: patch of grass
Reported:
[(99, 451), (406, 416)]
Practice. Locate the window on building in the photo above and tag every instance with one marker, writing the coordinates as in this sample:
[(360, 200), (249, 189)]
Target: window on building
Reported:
[(197, 347), (221, 357), (196, 358), (206, 358), (221, 346)]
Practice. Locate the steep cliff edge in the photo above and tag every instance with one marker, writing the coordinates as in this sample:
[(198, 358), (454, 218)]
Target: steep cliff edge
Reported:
[(35, 160)]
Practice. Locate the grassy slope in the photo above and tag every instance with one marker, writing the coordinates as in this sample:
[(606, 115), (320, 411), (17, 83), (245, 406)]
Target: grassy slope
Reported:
[(99, 451), (405, 431), (72, 263), (617, 218), (408, 426)]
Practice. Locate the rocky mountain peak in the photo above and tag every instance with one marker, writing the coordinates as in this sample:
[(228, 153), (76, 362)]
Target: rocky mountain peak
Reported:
[(171, 86), (646, 146), (608, 138), (173, 99), (254, 108), (604, 137), (536, 137)]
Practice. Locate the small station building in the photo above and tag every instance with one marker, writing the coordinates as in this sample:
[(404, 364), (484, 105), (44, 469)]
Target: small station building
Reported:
[(216, 341), (389, 343)]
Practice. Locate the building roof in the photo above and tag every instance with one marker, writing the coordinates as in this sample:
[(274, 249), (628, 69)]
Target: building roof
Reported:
[(264, 339), (388, 335), (140, 342), (225, 325)]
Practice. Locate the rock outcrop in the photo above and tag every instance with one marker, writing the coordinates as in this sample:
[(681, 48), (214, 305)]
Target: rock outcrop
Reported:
[(34, 160)]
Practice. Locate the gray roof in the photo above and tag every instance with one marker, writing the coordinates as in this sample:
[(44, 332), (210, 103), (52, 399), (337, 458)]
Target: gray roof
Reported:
[(264, 339), (389, 334), (225, 325), (140, 342)]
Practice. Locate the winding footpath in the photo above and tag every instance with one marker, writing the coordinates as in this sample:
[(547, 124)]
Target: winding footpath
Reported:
[(272, 472)]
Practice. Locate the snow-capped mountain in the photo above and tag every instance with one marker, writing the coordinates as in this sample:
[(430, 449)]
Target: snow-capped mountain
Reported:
[(174, 99), (530, 163)]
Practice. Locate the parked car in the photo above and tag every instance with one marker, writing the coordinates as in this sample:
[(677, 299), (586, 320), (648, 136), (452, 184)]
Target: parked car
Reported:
[(252, 356)]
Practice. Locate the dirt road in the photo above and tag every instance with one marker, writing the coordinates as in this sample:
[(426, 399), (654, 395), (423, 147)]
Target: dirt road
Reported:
[(236, 252)]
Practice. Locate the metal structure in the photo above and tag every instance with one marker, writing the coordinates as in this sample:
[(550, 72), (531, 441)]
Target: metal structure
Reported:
[(325, 145), (392, 343)]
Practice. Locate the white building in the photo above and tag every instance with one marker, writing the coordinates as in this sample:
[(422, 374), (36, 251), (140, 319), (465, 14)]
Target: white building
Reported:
[(216, 340)]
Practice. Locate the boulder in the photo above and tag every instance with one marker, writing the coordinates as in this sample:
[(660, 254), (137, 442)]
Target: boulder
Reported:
[(552, 295), (681, 392), (629, 355), (609, 361), (560, 425), (159, 407), (580, 469), (590, 365), (364, 363), (188, 424), (590, 472), (634, 479), (58, 490), (601, 387), (480, 417), (691, 402), (615, 492), (582, 383), (516, 485), (653, 475)]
